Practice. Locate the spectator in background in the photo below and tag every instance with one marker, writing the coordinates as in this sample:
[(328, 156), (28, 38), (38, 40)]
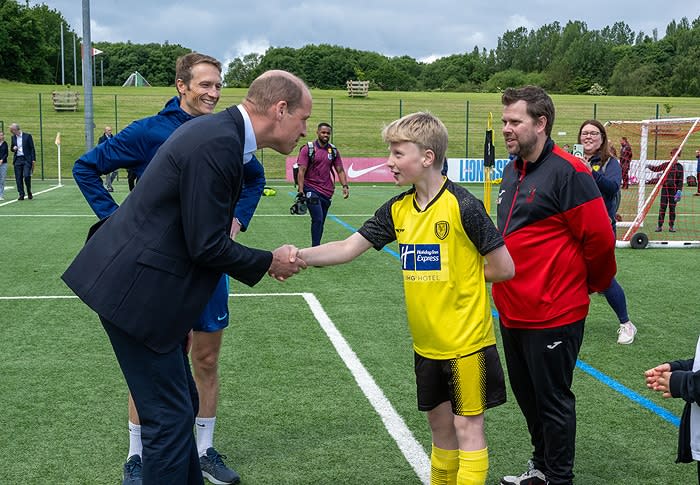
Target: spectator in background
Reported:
[(681, 378), (109, 177), (697, 171), (606, 173), (553, 220), (3, 164), (625, 161), (671, 190), (317, 160), (22, 145)]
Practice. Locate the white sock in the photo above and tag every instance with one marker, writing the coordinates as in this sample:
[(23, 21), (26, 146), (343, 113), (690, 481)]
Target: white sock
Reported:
[(205, 433), (135, 446)]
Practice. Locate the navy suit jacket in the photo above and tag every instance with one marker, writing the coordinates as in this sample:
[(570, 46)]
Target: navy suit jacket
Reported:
[(151, 267), (27, 147)]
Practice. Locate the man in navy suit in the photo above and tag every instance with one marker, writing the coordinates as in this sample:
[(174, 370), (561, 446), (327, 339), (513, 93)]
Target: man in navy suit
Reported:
[(22, 145), (149, 269)]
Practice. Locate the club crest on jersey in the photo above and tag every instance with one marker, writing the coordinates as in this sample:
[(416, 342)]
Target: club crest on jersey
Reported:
[(531, 194), (442, 229), (420, 257), (330, 154)]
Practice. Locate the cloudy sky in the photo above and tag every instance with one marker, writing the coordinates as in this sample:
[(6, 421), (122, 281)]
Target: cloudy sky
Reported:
[(424, 30)]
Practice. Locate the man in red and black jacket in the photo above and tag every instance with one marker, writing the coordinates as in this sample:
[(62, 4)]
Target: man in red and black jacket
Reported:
[(556, 228)]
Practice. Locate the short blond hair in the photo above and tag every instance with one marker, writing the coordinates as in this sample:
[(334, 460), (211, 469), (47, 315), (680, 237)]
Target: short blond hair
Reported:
[(422, 128)]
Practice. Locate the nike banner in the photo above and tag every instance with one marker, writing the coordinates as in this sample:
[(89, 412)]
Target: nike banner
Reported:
[(469, 170)]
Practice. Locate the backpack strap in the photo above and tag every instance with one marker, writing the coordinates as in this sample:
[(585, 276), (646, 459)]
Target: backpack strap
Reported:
[(312, 150)]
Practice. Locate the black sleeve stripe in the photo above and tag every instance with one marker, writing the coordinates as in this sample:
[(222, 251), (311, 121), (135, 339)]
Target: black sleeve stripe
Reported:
[(476, 222)]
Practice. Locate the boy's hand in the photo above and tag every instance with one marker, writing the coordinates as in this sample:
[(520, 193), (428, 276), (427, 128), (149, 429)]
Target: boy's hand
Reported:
[(659, 378), (285, 262)]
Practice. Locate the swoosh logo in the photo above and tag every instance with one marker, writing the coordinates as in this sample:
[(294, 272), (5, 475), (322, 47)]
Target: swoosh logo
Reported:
[(221, 318), (554, 345), (352, 173)]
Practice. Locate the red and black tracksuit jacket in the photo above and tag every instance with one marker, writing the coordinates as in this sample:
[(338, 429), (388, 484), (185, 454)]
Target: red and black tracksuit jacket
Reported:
[(556, 228)]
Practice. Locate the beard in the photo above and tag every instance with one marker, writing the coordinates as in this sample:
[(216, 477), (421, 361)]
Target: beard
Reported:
[(525, 146)]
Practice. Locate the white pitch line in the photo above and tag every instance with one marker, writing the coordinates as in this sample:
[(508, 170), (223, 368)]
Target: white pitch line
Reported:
[(393, 422), (34, 194)]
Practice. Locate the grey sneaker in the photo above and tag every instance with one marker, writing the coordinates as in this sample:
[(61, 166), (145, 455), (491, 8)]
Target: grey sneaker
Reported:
[(215, 470), (626, 333), (531, 477), (132, 471)]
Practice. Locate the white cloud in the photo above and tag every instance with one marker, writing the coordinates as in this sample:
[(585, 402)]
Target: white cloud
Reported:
[(517, 21), (243, 47), (227, 30)]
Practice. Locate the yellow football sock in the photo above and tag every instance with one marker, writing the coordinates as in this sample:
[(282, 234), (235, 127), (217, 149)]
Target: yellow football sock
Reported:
[(443, 466), (473, 467)]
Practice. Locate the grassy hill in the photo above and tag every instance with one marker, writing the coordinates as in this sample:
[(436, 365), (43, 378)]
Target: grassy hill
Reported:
[(357, 121)]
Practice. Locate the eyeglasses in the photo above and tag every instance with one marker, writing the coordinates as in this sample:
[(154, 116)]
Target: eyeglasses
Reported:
[(590, 133)]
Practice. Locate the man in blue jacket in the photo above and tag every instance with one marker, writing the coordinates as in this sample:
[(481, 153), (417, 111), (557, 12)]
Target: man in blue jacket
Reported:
[(198, 83)]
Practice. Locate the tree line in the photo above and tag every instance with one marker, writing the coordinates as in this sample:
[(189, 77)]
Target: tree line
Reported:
[(568, 58)]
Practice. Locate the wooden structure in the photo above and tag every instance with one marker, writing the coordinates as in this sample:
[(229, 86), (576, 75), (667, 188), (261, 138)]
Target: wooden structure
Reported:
[(358, 88), (65, 100)]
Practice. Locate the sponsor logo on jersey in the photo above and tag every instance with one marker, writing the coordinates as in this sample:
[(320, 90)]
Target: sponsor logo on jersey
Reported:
[(500, 196), (420, 257)]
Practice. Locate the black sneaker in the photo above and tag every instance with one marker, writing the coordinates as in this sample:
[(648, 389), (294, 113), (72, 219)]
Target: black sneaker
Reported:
[(215, 470), (532, 476), (31, 196), (132, 471)]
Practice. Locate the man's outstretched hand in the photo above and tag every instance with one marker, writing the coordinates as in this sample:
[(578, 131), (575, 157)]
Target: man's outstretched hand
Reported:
[(285, 262)]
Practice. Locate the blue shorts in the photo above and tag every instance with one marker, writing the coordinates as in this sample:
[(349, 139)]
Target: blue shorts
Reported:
[(215, 314)]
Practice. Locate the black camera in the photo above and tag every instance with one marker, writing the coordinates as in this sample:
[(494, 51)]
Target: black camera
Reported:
[(299, 205)]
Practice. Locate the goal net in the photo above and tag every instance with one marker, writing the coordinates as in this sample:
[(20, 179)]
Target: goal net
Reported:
[(645, 198)]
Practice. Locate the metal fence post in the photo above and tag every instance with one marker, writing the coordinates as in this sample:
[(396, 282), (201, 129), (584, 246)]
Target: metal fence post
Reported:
[(466, 132), (41, 136)]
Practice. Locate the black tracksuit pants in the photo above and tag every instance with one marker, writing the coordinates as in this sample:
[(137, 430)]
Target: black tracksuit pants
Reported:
[(540, 368)]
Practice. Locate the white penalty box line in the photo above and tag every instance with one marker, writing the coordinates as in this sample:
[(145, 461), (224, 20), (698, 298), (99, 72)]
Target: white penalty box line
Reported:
[(411, 449)]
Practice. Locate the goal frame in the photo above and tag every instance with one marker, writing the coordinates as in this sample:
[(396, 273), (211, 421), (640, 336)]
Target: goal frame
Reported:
[(633, 237)]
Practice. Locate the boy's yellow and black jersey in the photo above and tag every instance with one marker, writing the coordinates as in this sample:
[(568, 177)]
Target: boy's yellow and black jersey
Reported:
[(441, 250)]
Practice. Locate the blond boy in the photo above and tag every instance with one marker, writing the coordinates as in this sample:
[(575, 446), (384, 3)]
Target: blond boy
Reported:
[(449, 248)]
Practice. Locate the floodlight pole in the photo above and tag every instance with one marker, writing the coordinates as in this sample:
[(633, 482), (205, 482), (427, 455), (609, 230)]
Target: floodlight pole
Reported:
[(75, 66), (87, 77), (63, 60)]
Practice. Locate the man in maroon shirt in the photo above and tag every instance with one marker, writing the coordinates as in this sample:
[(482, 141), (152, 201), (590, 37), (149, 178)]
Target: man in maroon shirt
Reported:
[(315, 179)]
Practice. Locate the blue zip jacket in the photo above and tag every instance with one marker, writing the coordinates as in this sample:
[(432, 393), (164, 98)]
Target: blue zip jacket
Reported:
[(608, 179), (134, 147)]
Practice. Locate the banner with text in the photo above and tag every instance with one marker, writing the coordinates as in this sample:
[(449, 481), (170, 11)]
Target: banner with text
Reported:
[(375, 170)]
